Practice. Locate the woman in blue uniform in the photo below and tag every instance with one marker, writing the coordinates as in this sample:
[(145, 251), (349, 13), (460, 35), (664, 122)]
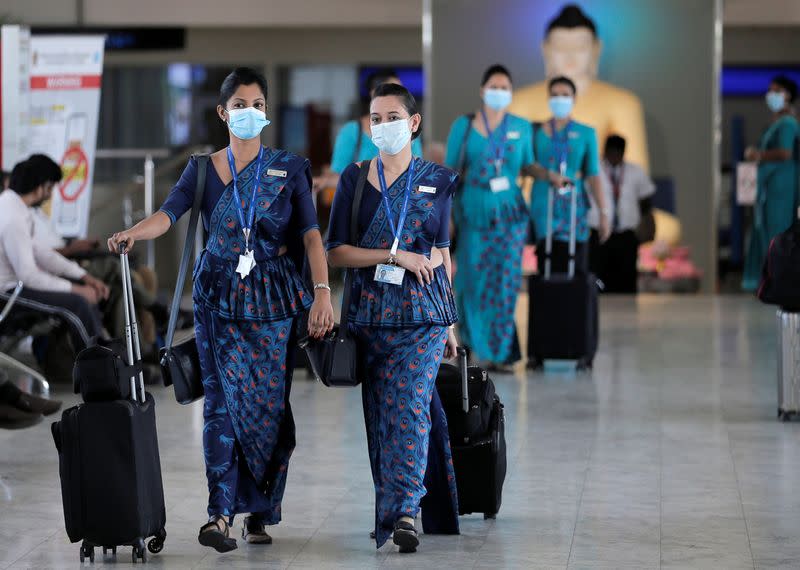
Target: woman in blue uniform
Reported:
[(568, 160), (402, 312), (490, 148), (248, 295), (777, 196)]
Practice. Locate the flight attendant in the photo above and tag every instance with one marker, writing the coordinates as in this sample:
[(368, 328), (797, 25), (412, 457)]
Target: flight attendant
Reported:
[(568, 160), (402, 312), (490, 148), (248, 295)]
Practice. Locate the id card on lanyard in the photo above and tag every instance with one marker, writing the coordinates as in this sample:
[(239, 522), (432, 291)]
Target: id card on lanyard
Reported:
[(391, 273), (247, 260), (497, 150), (560, 149)]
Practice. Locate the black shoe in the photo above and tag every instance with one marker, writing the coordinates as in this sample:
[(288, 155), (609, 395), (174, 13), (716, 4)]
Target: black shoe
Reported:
[(254, 532), (216, 535), (12, 417), (405, 536), (12, 395), (372, 535)]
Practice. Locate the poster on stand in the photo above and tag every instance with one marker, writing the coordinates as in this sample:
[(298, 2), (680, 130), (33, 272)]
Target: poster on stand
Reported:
[(14, 100), (65, 78)]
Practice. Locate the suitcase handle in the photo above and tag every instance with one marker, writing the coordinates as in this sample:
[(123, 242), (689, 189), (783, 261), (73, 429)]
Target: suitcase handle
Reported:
[(573, 226), (463, 366), (131, 326)]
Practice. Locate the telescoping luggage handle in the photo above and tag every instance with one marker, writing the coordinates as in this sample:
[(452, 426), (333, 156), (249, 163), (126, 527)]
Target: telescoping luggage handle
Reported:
[(573, 222), (463, 366), (131, 327)]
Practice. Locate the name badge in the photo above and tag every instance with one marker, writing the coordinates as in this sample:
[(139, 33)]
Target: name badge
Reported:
[(427, 189), (573, 135), (273, 172), (389, 274), (500, 184), (246, 263), (512, 135)]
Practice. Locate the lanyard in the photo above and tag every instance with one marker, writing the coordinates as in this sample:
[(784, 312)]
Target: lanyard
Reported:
[(616, 175), (560, 145), (251, 211), (402, 219), (496, 149)]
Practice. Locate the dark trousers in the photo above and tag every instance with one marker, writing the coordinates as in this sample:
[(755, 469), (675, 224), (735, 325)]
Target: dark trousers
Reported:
[(559, 260), (82, 318), (614, 262)]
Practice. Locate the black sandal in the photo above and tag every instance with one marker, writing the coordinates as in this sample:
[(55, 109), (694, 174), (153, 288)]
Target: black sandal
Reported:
[(405, 536), (213, 536), (254, 532)]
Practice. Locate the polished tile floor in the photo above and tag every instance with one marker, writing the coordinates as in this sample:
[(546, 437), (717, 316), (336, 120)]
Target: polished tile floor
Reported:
[(668, 455)]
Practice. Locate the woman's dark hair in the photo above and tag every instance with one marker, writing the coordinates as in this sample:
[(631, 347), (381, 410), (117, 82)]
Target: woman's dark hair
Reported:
[(29, 174), (238, 77), (494, 70), (562, 79), (405, 96), (788, 84), (572, 16)]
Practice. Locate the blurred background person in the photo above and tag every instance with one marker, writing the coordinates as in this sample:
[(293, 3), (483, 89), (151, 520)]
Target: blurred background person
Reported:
[(629, 200), (777, 194), (567, 159), (490, 148)]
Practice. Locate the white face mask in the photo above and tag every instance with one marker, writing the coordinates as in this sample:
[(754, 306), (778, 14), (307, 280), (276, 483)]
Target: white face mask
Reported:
[(391, 137)]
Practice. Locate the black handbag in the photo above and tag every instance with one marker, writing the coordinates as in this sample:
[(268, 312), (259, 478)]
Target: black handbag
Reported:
[(334, 359), (180, 363)]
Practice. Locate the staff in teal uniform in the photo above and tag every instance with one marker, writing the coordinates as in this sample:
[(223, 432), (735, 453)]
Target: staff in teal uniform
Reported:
[(777, 194), (354, 141), (490, 148), (568, 160)]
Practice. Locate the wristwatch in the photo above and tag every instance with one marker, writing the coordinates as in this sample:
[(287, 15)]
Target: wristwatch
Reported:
[(322, 286)]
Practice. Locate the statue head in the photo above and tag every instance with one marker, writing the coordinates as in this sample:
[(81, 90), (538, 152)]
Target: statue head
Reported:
[(571, 47)]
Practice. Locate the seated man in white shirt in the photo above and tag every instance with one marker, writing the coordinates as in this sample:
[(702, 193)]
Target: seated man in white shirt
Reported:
[(630, 192), (51, 281)]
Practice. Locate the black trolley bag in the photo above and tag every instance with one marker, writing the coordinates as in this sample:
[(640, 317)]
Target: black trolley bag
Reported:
[(476, 423), (562, 309), (109, 464)]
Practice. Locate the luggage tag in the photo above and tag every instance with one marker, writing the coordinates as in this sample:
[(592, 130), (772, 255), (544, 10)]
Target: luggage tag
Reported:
[(499, 184)]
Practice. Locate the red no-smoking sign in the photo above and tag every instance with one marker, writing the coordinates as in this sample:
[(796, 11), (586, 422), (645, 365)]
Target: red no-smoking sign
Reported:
[(75, 167)]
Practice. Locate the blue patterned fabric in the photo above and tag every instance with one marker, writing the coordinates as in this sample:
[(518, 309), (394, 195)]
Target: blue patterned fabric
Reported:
[(427, 225), (244, 327), (409, 448)]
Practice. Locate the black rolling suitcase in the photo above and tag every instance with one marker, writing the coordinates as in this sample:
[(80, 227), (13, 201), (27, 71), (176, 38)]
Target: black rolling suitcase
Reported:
[(562, 310), (476, 423), (108, 453)]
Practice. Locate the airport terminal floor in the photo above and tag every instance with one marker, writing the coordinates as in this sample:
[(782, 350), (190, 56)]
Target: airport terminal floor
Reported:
[(668, 455)]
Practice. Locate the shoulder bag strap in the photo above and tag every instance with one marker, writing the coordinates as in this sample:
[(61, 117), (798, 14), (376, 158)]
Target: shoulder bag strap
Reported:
[(354, 212), (462, 153), (202, 168)]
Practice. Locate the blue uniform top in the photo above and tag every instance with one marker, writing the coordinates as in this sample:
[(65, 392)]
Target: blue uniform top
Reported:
[(427, 225), (274, 290), (344, 149), (583, 160), (476, 204)]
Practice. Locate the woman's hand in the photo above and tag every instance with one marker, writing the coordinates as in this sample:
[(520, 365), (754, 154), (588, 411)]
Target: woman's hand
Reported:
[(558, 181), (123, 237), (320, 318), (451, 350), (751, 154), (417, 264), (100, 288)]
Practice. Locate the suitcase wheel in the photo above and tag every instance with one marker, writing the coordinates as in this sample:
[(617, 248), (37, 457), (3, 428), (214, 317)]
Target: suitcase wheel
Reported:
[(139, 552), (535, 364), (87, 552), (113, 550), (155, 545)]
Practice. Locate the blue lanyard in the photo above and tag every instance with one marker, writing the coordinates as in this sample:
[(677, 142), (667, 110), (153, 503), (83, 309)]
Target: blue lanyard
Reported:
[(251, 211), (560, 144), (385, 194), (496, 149)]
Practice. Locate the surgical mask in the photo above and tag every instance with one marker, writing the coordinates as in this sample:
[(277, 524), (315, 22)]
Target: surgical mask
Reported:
[(776, 101), (391, 137), (497, 99), (561, 106), (246, 123)]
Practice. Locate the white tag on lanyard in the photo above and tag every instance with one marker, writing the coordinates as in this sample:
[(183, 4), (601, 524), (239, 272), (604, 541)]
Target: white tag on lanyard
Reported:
[(500, 184), (246, 263), (389, 274)]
